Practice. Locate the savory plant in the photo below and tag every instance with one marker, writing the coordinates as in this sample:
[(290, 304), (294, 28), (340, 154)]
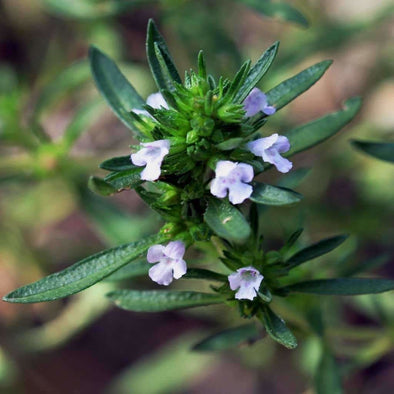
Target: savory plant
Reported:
[(200, 153)]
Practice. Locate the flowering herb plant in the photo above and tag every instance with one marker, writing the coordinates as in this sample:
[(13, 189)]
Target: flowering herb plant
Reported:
[(201, 150)]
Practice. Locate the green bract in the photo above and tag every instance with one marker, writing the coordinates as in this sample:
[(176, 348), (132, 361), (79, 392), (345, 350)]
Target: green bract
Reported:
[(204, 124)]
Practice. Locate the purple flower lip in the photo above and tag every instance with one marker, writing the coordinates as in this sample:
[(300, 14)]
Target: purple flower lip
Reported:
[(151, 156), (170, 264), (257, 102), (232, 178), (247, 280), (270, 148)]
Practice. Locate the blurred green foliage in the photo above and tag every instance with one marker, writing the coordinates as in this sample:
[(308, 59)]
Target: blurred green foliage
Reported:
[(46, 159)]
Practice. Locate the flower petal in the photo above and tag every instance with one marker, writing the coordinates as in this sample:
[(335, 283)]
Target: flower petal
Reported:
[(246, 173), (282, 144), (245, 293), (224, 168), (235, 280), (258, 146), (175, 250), (152, 171), (255, 102), (239, 192), (161, 273), (273, 156), (138, 158), (155, 253), (156, 100), (218, 188), (269, 110), (179, 268)]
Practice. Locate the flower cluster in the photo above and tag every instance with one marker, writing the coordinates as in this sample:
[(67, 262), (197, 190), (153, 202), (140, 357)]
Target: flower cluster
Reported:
[(232, 179)]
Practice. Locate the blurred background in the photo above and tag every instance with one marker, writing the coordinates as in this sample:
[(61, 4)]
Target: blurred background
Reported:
[(55, 130)]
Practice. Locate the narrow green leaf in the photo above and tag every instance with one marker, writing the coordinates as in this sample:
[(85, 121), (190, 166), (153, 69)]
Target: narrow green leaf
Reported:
[(294, 178), (257, 72), (366, 265), (100, 186), (125, 179), (291, 240), (229, 339), (114, 87), (121, 163), (277, 10), (274, 195), (342, 286), (83, 274), (277, 329), (318, 249), (81, 121), (230, 144), (161, 300), (226, 221), (135, 268), (200, 273), (70, 78), (161, 68), (327, 379), (317, 131), (288, 90), (379, 150)]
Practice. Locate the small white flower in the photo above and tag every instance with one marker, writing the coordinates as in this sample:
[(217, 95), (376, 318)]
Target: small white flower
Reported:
[(232, 178), (155, 100), (247, 280), (151, 156), (269, 150), (170, 262), (256, 102)]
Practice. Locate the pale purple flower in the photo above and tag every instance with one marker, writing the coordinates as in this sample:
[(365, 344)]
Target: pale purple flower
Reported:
[(232, 178), (270, 148), (151, 156), (155, 100), (256, 102), (247, 280), (170, 263)]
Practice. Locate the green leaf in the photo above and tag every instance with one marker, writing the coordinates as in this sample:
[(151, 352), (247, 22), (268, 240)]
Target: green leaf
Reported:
[(161, 300), (160, 60), (83, 274), (277, 10), (169, 369), (277, 329), (342, 286), (131, 270), (199, 273), (327, 379), (318, 249), (317, 131), (87, 9), (273, 195), (125, 179), (114, 87), (366, 265), (288, 90), (379, 150), (81, 121), (226, 221), (112, 224), (294, 178), (291, 240), (257, 72), (100, 186), (70, 78), (230, 144), (117, 164), (229, 339)]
